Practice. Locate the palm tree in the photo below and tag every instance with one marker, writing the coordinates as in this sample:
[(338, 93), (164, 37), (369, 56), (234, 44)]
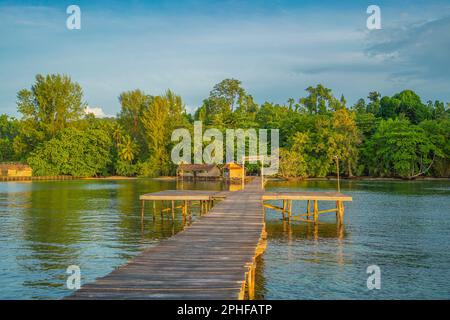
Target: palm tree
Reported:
[(117, 134), (127, 149)]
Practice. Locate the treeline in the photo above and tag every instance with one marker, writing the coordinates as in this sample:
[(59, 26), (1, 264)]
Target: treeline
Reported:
[(398, 136)]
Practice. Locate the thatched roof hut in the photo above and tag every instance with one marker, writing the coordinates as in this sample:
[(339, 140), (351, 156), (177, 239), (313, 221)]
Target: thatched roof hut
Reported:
[(201, 171), (15, 170)]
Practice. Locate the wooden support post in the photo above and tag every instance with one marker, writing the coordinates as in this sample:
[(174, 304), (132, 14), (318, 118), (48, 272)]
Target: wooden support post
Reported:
[(316, 211), (340, 231), (308, 208), (173, 210), (154, 210), (316, 231), (254, 280), (289, 210), (284, 208), (340, 212), (142, 210), (162, 209), (251, 282), (337, 211), (189, 206)]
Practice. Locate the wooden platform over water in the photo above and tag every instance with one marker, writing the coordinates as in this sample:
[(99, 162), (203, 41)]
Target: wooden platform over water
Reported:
[(215, 257)]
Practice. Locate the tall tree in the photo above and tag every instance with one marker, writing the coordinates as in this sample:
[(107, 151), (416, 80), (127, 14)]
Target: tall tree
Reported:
[(52, 104), (406, 103), (133, 103), (319, 100), (374, 102), (162, 116), (346, 138), (400, 149), (9, 129)]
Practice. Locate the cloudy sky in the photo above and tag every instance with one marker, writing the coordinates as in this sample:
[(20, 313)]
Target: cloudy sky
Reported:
[(277, 48)]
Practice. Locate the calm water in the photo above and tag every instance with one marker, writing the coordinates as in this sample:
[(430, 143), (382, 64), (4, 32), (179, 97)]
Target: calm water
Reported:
[(403, 227)]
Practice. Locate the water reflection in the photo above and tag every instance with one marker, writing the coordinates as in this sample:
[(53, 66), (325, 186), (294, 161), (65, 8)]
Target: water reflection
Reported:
[(291, 231), (403, 227), (96, 224)]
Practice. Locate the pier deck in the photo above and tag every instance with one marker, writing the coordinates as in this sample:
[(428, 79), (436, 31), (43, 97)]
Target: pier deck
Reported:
[(215, 257)]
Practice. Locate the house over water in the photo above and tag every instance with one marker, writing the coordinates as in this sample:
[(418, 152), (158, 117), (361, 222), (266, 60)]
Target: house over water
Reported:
[(233, 172), (199, 171), (15, 170)]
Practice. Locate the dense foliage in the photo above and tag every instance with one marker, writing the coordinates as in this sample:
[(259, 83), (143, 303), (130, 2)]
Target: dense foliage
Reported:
[(398, 136)]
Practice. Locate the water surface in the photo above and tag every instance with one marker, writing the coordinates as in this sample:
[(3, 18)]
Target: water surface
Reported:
[(403, 227)]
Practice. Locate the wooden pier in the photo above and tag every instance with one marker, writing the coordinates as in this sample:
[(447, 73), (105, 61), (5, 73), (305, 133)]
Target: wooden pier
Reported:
[(215, 257), (312, 200)]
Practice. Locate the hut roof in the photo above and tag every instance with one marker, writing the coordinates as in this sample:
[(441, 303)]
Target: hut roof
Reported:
[(232, 165), (196, 167), (14, 166)]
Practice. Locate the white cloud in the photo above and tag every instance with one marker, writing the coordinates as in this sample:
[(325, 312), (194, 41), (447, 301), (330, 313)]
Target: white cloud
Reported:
[(97, 112)]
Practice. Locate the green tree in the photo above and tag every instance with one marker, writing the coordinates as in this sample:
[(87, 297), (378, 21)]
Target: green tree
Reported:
[(360, 106), (133, 103), (292, 164), (52, 104), (9, 129), (374, 102), (73, 152), (229, 106), (127, 149), (163, 115), (345, 139), (406, 103), (439, 134), (320, 100), (400, 149)]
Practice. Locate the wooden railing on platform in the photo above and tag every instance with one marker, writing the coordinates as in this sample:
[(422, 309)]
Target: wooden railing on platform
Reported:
[(311, 198)]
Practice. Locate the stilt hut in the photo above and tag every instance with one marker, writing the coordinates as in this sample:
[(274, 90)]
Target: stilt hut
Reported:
[(15, 170), (198, 172), (233, 172)]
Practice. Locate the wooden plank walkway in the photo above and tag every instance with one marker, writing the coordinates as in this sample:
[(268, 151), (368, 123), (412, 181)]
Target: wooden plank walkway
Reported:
[(214, 258), (184, 195)]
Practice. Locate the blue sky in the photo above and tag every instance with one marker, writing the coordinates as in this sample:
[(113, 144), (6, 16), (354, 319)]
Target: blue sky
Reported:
[(276, 48)]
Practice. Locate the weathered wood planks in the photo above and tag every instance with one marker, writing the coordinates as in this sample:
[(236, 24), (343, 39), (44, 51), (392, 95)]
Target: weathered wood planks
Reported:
[(293, 195), (214, 258)]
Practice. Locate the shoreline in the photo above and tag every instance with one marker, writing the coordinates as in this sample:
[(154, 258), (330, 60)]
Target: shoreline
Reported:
[(362, 178), (174, 178)]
